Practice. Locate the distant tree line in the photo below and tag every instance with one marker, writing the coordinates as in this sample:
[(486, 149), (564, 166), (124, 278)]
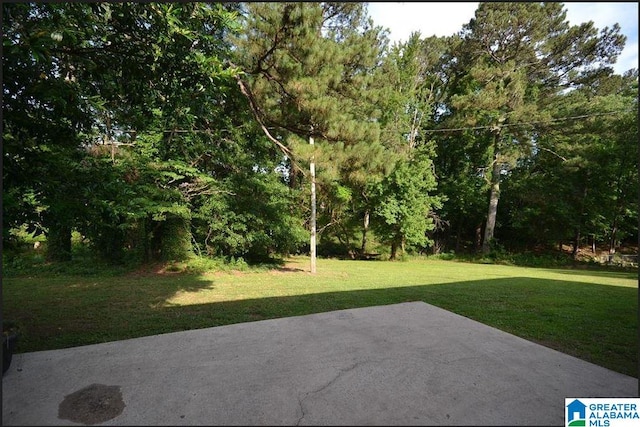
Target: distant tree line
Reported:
[(157, 130)]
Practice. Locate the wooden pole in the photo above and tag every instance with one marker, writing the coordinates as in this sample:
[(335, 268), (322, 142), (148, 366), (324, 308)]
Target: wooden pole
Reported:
[(312, 170)]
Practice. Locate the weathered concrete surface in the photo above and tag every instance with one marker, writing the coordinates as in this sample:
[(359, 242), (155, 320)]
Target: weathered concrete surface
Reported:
[(401, 364)]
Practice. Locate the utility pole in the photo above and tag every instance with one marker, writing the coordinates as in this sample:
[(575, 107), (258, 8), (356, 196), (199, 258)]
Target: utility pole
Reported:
[(312, 170)]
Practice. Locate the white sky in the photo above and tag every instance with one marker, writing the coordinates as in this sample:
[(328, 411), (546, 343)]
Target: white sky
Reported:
[(444, 19)]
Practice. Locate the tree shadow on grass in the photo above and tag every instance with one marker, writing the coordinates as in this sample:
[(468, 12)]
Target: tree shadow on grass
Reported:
[(67, 311), (597, 323)]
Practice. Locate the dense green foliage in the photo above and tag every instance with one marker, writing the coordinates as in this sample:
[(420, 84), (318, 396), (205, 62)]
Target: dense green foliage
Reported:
[(121, 121), (159, 130)]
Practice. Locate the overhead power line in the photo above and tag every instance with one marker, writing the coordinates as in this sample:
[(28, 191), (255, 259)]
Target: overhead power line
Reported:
[(560, 119)]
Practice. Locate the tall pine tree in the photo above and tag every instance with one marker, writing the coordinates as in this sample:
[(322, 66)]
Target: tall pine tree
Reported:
[(307, 68), (515, 57)]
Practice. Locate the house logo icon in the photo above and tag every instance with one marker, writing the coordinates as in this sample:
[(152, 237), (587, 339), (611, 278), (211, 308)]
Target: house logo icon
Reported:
[(576, 414)]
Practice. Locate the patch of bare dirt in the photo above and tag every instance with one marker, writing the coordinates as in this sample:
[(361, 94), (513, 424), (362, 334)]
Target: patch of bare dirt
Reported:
[(286, 270), (158, 268)]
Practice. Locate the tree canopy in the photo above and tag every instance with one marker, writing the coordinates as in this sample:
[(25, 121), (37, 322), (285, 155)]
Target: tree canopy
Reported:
[(160, 130)]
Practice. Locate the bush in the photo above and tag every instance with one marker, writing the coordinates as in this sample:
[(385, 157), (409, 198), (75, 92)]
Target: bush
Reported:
[(448, 256), (176, 240)]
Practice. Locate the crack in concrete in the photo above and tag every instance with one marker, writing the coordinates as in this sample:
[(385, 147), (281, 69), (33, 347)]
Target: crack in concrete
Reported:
[(301, 410), (340, 373)]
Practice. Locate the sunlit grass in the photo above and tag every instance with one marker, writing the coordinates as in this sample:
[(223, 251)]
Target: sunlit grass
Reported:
[(342, 276), (589, 314)]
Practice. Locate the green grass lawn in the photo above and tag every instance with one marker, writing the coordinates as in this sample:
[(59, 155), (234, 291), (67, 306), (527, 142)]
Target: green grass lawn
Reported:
[(589, 314)]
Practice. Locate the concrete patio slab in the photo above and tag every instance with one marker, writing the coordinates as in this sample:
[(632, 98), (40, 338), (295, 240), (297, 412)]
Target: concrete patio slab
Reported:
[(402, 364)]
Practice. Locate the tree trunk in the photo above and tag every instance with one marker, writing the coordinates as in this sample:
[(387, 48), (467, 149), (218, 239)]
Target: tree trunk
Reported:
[(312, 170), (577, 236), (478, 236), (365, 229), (438, 244), (493, 207), (394, 251), (612, 238), (145, 235), (576, 243), (614, 232), (59, 242)]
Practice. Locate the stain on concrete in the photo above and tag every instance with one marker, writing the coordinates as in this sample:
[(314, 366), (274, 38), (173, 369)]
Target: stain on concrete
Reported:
[(93, 404)]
